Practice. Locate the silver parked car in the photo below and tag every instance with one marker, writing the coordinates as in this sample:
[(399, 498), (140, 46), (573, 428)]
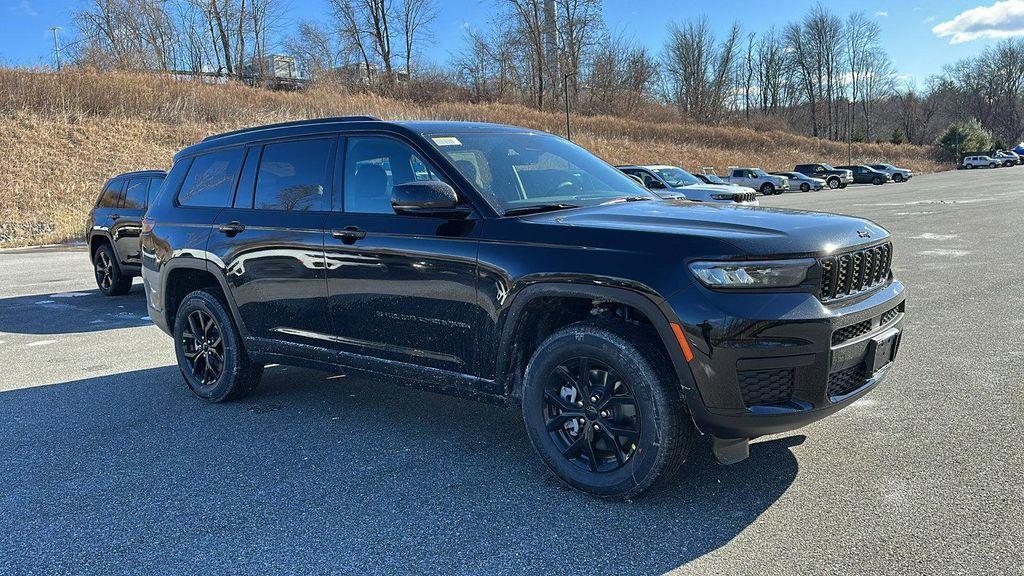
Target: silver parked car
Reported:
[(898, 174), (980, 162), (672, 182), (801, 182)]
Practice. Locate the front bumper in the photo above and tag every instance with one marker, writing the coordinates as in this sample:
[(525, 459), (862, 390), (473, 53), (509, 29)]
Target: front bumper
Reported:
[(771, 363)]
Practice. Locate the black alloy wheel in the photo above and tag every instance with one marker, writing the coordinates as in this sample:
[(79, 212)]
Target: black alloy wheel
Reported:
[(591, 415), (805, 187), (109, 277), (104, 270), (203, 346), (877, 181)]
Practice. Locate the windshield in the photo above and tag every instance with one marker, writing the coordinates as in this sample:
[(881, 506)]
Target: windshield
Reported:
[(827, 167), (515, 171), (758, 173), (714, 179), (676, 177)]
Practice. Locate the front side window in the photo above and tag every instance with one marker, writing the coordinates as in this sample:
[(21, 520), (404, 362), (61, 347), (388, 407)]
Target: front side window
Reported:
[(211, 179), (293, 175), (373, 164), (135, 194), (529, 170)]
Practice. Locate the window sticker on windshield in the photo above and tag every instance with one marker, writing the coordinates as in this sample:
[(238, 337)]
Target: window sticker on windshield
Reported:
[(446, 141)]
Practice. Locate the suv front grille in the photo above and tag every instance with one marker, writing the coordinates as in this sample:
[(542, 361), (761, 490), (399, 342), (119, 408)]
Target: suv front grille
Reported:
[(854, 272), (847, 380), (744, 197), (764, 387)]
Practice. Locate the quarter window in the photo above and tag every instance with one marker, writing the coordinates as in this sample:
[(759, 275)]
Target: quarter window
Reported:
[(154, 189), (373, 165), (135, 196), (293, 175), (211, 179), (111, 194)]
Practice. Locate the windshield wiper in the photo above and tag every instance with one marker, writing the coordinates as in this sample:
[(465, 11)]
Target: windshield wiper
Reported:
[(538, 208), (628, 199)]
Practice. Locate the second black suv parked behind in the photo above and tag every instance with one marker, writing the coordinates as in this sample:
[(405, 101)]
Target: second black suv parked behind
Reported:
[(833, 177), (504, 263), (114, 225)]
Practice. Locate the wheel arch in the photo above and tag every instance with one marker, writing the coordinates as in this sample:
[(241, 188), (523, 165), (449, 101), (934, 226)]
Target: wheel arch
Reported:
[(181, 276), (99, 238), (529, 318)]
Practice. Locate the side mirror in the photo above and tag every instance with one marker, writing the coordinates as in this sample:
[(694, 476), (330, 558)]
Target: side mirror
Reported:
[(427, 198)]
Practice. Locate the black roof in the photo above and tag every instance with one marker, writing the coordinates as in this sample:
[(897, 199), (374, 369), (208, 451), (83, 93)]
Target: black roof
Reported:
[(141, 173), (333, 124)]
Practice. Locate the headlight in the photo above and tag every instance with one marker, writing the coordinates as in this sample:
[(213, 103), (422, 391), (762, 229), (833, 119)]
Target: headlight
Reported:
[(767, 274)]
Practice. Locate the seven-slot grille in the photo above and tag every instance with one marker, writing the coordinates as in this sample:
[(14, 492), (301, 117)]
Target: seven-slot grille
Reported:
[(744, 197), (854, 272)]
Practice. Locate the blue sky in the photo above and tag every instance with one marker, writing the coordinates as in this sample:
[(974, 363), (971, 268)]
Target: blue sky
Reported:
[(910, 29)]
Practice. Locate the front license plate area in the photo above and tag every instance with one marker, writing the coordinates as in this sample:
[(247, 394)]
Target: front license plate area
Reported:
[(882, 350)]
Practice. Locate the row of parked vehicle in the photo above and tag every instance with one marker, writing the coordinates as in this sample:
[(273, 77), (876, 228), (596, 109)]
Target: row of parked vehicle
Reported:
[(992, 159), (742, 184)]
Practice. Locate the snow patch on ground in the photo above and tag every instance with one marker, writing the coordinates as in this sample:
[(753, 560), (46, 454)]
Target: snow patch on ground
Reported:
[(68, 295), (945, 252), (41, 343), (931, 236)]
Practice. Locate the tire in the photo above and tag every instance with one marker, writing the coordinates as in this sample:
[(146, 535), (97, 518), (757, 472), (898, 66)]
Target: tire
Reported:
[(767, 189), (897, 177), (843, 186), (992, 165), (230, 378), (877, 181), (805, 187), (970, 166), (109, 278), (1007, 164), (649, 408), (834, 183)]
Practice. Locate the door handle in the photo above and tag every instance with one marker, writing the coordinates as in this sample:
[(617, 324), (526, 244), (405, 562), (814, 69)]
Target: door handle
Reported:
[(115, 216), (349, 234), (232, 228)]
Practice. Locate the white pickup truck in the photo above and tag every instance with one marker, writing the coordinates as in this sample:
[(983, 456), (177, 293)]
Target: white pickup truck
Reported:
[(757, 179)]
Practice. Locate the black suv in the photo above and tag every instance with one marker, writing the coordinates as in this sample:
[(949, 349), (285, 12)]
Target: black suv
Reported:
[(505, 263), (866, 175), (114, 225)]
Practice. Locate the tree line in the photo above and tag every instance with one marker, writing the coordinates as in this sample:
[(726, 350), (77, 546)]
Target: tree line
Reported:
[(824, 74)]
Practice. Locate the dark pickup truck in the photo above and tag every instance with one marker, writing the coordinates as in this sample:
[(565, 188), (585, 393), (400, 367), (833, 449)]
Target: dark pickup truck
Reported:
[(833, 177), (507, 264)]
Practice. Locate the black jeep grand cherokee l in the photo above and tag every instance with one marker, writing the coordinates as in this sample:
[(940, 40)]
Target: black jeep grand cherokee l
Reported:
[(500, 262)]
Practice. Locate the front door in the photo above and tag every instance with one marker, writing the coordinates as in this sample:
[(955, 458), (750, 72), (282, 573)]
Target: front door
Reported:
[(270, 241), (402, 289)]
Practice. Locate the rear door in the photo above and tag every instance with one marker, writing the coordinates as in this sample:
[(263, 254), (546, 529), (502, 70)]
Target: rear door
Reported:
[(127, 227), (270, 243), (108, 206)]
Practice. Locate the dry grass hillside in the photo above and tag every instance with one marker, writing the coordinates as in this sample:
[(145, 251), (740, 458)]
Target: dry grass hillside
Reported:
[(63, 134)]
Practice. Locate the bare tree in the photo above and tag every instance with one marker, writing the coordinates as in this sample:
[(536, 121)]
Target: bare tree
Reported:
[(417, 17), (699, 69), (579, 25)]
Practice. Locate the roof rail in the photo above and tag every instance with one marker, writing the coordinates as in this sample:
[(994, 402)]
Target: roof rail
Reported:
[(328, 120)]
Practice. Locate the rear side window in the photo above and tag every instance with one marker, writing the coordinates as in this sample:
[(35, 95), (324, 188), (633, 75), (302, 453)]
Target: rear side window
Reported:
[(135, 195), (154, 189), (211, 179), (293, 175), (111, 196)]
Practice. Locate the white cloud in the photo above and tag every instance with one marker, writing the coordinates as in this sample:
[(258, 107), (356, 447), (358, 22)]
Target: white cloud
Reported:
[(22, 8), (881, 13), (1000, 20)]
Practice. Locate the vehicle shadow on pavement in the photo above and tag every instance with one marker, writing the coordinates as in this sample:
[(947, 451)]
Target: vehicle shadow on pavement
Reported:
[(73, 312), (323, 473)]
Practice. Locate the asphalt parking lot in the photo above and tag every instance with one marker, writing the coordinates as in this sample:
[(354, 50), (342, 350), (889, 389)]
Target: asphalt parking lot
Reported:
[(109, 465)]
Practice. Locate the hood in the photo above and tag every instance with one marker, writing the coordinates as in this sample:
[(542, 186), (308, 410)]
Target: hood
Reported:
[(756, 231)]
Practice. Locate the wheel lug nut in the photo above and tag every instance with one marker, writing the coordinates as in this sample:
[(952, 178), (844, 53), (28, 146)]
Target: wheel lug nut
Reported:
[(597, 426), (593, 398), (604, 413), (580, 403), (582, 420)]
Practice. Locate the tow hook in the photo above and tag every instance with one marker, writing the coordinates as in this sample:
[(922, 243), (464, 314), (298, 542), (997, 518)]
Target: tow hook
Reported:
[(730, 450)]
